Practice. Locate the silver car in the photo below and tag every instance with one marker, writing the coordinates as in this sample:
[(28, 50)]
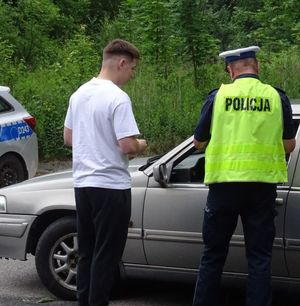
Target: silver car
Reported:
[(164, 240), (18, 141)]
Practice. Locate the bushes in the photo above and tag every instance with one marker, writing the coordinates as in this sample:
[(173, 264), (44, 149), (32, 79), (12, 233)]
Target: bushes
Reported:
[(282, 70), (45, 92), (166, 107), (49, 48)]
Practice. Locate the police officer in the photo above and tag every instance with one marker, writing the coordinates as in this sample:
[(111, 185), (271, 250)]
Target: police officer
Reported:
[(247, 129)]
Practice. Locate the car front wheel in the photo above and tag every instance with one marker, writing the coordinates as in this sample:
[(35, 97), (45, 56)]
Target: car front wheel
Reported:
[(56, 258)]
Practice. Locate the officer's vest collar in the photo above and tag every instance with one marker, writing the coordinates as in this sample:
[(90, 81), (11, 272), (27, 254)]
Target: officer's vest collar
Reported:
[(247, 75)]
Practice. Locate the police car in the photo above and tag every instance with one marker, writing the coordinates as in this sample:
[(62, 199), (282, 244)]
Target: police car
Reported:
[(18, 141)]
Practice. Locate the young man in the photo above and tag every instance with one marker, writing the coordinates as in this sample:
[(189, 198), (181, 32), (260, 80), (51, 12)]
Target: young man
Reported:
[(101, 128), (247, 128)]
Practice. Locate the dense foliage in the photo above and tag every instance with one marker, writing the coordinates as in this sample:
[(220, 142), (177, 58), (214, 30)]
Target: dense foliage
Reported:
[(49, 47)]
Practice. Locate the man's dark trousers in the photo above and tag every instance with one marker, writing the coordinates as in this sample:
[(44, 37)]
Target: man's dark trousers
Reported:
[(255, 203), (102, 223)]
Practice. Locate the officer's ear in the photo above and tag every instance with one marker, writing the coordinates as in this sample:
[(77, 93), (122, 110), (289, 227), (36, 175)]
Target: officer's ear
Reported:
[(230, 71), (258, 67), (226, 68)]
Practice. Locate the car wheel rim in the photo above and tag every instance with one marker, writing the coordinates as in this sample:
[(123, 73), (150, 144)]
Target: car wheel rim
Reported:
[(9, 176), (64, 261)]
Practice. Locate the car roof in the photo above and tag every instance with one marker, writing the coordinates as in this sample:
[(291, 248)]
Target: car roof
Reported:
[(296, 107)]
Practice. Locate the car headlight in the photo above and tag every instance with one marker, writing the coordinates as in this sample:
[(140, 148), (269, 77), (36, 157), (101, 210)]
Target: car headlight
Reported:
[(2, 204)]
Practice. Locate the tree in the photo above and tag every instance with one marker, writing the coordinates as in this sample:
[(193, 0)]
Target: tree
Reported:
[(8, 69), (278, 24), (72, 18), (151, 25), (195, 21), (8, 27), (99, 11)]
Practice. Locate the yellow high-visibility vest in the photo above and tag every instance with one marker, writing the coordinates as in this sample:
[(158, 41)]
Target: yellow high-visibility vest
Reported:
[(246, 135)]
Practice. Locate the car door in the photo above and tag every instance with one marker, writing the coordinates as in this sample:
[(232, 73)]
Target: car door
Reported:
[(173, 214), (173, 217), (236, 260), (292, 223)]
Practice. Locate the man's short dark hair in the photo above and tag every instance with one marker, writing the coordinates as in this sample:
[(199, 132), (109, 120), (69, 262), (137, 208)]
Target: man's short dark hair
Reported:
[(121, 47)]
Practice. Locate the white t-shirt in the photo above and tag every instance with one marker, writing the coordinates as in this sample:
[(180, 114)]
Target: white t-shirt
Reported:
[(99, 115)]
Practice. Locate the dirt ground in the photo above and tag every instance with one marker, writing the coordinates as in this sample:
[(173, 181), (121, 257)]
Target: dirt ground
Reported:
[(59, 165), (53, 166)]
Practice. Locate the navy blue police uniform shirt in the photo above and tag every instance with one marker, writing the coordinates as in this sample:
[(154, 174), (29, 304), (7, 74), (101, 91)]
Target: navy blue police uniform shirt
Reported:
[(202, 131)]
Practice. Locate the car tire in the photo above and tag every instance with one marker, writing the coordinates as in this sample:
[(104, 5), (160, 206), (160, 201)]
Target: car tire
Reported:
[(12, 170), (56, 258)]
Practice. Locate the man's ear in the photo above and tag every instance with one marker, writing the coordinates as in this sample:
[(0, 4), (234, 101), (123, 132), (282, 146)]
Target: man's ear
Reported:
[(122, 62)]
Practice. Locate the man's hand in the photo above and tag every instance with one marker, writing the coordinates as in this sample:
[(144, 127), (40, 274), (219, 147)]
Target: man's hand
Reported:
[(68, 137), (142, 145), (132, 146)]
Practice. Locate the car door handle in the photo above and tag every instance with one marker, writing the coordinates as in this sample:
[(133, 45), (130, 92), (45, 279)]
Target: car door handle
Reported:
[(279, 201)]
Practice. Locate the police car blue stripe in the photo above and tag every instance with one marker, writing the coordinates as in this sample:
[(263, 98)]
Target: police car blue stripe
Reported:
[(15, 131)]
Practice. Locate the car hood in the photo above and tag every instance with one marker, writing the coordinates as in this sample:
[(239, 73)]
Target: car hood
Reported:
[(58, 180)]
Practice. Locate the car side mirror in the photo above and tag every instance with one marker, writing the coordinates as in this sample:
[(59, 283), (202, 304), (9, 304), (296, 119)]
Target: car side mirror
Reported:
[(160, 173)]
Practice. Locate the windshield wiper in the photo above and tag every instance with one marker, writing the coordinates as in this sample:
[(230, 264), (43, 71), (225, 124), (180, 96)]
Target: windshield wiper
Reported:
[(150, 161)]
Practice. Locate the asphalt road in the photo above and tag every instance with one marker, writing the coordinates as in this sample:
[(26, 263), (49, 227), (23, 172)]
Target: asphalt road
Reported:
[(21, 286)]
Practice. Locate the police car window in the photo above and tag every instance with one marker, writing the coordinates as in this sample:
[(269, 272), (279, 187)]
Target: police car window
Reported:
[(4, 106)]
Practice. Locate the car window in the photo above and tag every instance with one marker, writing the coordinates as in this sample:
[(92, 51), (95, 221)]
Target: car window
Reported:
[(189, 168), (4, 105), (296, 127), (296, 124)]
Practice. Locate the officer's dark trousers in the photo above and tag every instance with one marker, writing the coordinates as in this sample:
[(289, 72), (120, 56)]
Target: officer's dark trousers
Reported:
[(102, 223), (255, 203)]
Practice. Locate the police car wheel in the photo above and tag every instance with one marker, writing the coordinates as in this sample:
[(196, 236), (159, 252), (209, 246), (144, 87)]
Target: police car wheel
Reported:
[(56, 258), (12, 170)]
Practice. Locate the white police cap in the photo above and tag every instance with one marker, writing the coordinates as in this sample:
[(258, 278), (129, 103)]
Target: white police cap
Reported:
[(237, 54)]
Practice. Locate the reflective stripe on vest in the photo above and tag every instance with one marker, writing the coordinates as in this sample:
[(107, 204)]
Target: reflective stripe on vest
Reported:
[(246, 143)]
